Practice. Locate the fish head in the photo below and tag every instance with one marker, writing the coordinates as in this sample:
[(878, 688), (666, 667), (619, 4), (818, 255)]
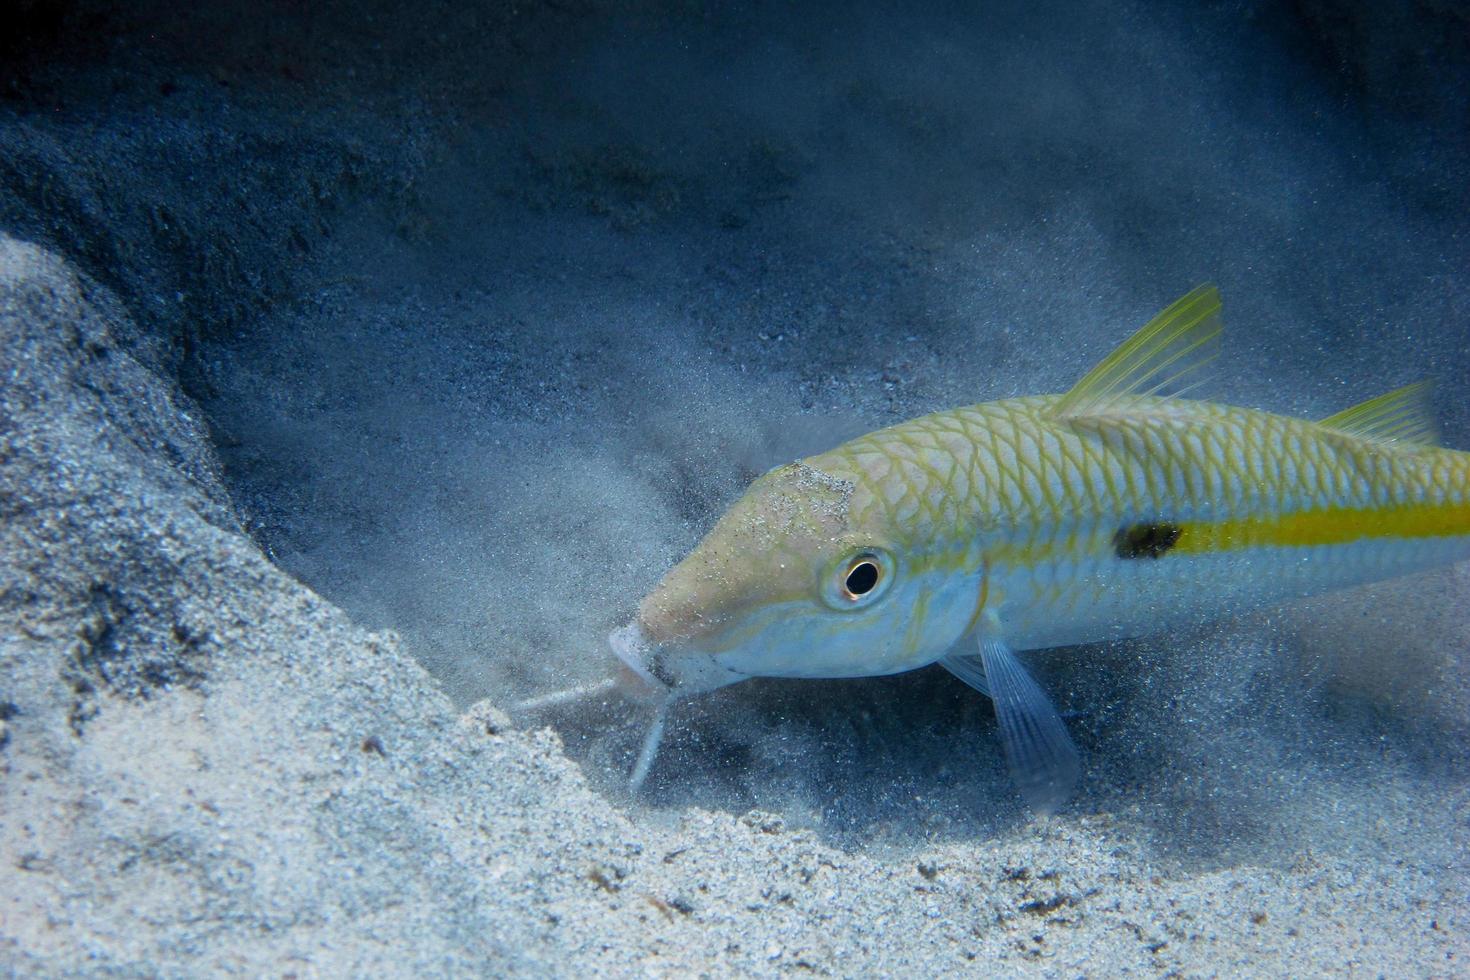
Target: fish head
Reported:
[(788, 583)]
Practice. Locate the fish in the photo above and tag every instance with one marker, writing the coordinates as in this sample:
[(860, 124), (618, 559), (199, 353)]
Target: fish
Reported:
[(1117, 509)]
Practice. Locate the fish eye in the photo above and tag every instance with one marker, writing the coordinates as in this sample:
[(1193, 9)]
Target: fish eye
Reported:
[(858, 579), (862, 576)]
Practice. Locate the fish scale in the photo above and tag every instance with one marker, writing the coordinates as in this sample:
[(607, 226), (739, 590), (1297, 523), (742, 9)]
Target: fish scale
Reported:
[(1049, 495), (1116, 509)]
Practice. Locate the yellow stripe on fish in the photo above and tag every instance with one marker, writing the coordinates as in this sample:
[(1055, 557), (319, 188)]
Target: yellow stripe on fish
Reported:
[(1111, 510), (1326, 527)]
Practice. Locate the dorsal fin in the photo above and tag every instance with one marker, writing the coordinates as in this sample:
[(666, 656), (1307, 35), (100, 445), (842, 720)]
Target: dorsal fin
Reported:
[(1163, 358), (1404, 415)]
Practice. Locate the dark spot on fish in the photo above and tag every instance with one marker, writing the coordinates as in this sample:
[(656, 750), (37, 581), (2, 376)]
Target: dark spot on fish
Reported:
[(1146, 540)]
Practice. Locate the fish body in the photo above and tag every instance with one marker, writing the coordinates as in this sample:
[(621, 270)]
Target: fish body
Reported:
[(1114, 510), (1173, 511)]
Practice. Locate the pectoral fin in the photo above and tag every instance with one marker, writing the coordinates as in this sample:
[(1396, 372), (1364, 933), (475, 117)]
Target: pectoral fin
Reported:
[(1042, 759), (968, 668)]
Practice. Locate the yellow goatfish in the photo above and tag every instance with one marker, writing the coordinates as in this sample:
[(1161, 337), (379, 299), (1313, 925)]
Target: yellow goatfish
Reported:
[(1110, 511)]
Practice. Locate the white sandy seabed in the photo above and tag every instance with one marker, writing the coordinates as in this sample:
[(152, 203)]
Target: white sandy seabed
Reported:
[(209, 768)]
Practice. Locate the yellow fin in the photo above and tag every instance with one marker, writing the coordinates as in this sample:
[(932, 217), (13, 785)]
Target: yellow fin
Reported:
[(1404, 415), (1164, 358)]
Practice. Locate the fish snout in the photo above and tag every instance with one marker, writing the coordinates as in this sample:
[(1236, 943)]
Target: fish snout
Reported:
[(654, 669), (639, 678)]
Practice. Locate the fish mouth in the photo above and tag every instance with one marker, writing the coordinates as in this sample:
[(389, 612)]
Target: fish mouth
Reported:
[(668, 668), (633, 648)]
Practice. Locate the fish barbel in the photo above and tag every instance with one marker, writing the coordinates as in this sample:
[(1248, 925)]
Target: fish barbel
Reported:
[(1110, 511)]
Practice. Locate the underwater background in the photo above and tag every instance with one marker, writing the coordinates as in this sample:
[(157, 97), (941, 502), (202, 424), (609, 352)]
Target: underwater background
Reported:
[(477, 315)]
